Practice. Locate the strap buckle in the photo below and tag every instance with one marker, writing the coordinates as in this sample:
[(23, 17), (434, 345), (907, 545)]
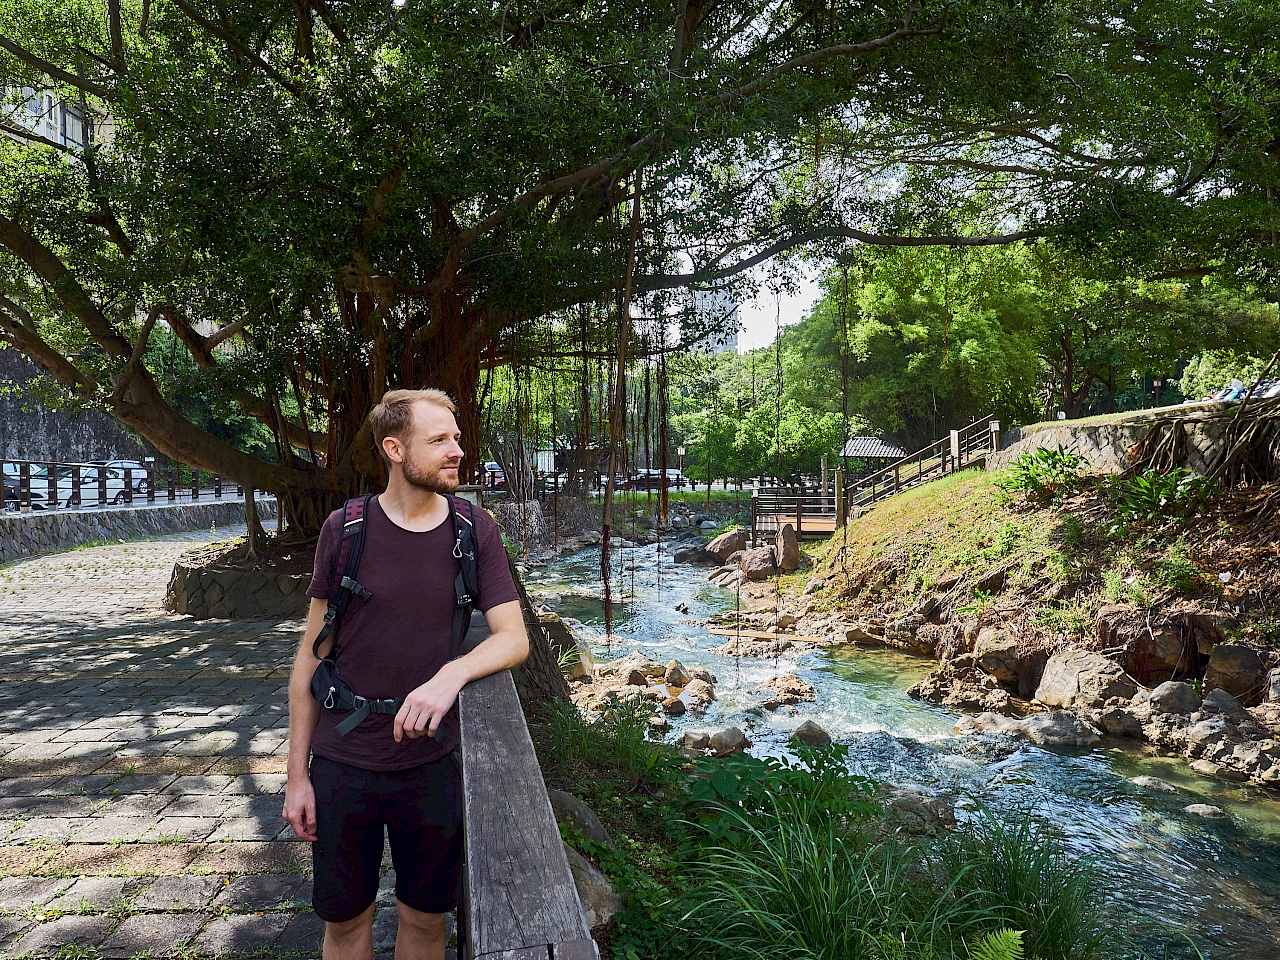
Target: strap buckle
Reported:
[(357, 701), (348, 584)]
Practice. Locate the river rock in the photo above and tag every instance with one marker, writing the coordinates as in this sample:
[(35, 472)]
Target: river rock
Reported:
[(1076, 678), (566, 645), (1208, 735), (699, 695), (1273, 685), (916, 814), (1222, 704), (679, 522), (571, 810), (960, 683), (997, 654), (859, 633), (811, 735), (635, 661), (1237, 670), (696, 555), (701, 673), (758, 563), (786, 690), (1174, 696), (1119, 722), (636, 678), (1205, 810), (673, 707), (727, 741), (1210, 627), (813, 586), (696, 739), (1057, 729), (676, 675), (1154, 783), (752, 647), (599, 901), (786, 547), (706, 526), (728, 543)]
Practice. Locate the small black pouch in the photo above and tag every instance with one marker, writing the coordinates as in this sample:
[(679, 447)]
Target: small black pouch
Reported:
[(329, 689)]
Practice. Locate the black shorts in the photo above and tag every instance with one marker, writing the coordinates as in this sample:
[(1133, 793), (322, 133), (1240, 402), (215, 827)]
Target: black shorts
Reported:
[(421, 811)]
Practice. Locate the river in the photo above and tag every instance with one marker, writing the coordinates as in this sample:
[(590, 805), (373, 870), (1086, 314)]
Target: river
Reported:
[(1173, 879)]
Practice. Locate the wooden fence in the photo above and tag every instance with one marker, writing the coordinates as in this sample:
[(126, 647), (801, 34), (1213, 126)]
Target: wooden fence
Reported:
[(519, 899)]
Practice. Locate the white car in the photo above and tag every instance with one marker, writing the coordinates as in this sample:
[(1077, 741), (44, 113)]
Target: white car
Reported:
[(90, 491)]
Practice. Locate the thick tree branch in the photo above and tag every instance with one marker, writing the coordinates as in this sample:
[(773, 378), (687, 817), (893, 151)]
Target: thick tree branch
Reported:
[(23, 133), (34, 347), (331, 21), (671, 281), (117, 35), (74, 297), (135, 359), (239, 46), (56, 73), (223, 334)]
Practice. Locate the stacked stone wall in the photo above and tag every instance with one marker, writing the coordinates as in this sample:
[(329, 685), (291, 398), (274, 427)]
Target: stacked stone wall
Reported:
[(205, 593), (1106, 446), (48, 531)]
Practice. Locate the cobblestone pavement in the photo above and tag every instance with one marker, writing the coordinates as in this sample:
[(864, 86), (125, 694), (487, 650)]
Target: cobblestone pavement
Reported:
[(142, 760)]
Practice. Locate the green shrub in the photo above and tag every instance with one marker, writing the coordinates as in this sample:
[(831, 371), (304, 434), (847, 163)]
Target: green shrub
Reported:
[(1019, 871), (618, 738), (1043, 474), (1154, 497)]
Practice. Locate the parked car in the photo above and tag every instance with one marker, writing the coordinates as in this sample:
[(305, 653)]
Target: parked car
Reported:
[(89, 490), (13, 486), (654, 479), (493, 477), (138, 472)]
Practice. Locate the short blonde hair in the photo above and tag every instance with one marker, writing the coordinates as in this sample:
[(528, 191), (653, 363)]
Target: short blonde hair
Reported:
[(393, 416)]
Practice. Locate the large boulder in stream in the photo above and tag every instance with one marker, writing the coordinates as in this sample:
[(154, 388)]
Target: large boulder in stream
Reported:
[(786, 547), (1058, 729), (728, 543), (1077, 678), (759, 563)]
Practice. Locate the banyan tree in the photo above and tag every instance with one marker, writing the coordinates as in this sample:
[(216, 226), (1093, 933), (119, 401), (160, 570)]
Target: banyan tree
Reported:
[(287, 208)]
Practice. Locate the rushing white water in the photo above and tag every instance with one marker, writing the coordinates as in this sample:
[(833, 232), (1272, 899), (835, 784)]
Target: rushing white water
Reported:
[(1173, 878)]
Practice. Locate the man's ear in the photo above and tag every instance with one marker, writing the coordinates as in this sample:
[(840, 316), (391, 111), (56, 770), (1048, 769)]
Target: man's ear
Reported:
[(394, 449)]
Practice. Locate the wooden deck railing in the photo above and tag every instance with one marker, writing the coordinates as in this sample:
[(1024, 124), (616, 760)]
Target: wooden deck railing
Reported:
[(960, 450), (519, 901)]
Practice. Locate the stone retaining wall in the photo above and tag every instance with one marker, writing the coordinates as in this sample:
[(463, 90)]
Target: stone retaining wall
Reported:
[(47, 531), (1106, 445), (236, 595)]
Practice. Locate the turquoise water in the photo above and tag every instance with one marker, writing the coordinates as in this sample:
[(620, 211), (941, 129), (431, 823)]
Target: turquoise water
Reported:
[(1169, 875)]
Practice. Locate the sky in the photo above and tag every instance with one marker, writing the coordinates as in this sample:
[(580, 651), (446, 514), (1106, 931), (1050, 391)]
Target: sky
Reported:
[(759, 316)]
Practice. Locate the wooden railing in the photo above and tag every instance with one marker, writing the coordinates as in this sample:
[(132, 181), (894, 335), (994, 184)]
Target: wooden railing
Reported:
[(811, 510), (960, 450), (51, 485), (519, 899)]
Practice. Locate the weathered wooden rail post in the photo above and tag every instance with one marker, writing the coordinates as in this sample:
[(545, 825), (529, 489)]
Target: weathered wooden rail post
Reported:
[(519, 899)]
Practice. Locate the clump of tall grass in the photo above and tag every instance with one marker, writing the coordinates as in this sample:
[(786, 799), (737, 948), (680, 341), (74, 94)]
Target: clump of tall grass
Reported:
[(616, 738), (1019, 871)]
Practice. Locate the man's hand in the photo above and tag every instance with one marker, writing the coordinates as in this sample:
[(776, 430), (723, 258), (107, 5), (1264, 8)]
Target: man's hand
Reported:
[(300, 808), (425, 708)]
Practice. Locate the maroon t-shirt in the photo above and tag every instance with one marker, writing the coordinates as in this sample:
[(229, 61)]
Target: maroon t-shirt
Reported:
[(397, 639)]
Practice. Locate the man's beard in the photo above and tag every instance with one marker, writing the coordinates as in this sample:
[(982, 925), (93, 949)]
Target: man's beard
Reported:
[(424, 478)]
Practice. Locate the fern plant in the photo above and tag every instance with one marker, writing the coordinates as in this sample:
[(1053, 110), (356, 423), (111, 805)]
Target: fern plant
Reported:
[(1001, 945)]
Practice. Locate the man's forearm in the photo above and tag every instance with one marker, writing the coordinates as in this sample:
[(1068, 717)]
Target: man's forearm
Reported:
[(499, 651), (304, 713)]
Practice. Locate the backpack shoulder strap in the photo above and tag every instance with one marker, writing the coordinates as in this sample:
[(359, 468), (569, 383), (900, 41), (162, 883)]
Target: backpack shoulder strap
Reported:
[(466, 586), (342, 574)]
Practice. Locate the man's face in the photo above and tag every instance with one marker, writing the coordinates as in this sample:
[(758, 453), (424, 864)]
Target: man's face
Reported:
[(432, 450)]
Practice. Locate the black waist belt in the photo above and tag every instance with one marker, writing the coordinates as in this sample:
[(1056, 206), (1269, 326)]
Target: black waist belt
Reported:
[(359, 706)]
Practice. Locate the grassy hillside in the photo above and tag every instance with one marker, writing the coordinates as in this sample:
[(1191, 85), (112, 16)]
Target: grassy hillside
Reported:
[(1063, 553)]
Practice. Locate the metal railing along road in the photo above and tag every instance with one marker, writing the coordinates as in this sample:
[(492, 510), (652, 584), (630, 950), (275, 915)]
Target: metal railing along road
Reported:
[(52, 485)]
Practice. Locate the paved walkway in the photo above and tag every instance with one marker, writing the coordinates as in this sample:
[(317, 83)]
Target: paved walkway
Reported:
[(142, 760)]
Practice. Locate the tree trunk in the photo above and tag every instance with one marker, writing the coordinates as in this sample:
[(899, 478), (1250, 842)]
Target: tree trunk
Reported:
[(539, 677)]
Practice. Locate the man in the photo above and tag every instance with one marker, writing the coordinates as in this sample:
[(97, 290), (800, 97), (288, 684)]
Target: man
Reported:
[(393, 772)]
